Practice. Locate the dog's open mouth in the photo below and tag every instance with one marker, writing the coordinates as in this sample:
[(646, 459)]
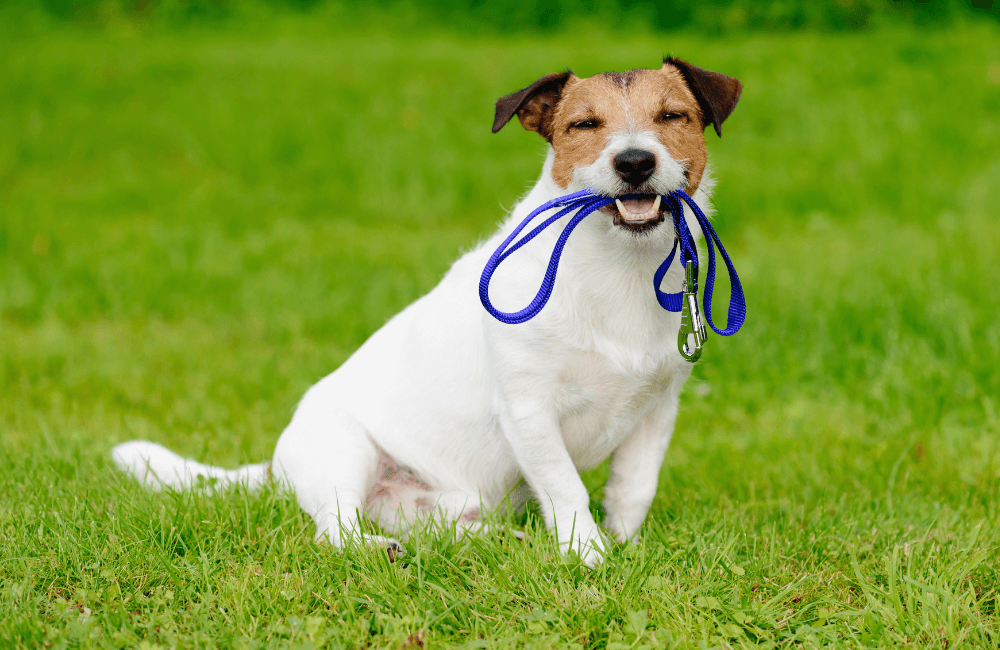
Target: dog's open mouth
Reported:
[(637, 213)]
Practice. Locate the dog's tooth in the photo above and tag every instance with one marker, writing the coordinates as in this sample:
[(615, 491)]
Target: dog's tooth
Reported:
[(656, 204), (621, 208)]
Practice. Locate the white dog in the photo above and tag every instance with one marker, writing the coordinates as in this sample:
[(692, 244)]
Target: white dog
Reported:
[(446, 412)]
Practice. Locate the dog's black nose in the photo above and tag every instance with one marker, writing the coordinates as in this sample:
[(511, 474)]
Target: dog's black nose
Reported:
[(635, 165)]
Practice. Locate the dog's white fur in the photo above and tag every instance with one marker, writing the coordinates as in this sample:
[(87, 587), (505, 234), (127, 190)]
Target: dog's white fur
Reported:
[(444, 410)]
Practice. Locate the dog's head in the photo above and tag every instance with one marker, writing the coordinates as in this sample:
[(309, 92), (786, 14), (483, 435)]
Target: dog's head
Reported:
[(636, 133)]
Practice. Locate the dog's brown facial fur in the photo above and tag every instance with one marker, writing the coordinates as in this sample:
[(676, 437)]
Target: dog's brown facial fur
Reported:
[(579, 116), (657, 101)]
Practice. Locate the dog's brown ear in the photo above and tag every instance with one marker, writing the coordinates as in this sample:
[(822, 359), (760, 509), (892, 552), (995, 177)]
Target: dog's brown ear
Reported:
[(534, 105), (716, 93)]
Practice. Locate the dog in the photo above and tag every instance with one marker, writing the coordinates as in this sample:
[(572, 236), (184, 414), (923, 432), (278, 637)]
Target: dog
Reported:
[(446, 413)]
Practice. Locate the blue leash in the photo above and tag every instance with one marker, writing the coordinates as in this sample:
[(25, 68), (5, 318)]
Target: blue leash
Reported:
[(584, 203)]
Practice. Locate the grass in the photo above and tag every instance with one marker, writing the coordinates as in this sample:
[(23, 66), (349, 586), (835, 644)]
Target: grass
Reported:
[(197, 224)]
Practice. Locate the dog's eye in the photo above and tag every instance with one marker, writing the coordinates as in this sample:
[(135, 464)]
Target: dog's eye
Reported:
[(586, 125), (670, 116)]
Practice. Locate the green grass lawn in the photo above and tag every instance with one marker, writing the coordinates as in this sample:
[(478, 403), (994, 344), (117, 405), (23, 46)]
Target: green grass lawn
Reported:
[(196, 225)]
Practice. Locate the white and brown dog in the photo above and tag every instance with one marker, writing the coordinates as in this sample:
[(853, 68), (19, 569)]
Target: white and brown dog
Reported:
[(446, 412)]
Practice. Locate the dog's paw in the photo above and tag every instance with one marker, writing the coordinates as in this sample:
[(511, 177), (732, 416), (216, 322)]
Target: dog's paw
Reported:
[(392, 547), (592, 554), (338, 538), (589, 547)]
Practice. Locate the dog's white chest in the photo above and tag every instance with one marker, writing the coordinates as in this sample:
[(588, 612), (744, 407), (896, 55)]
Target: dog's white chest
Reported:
[(601, 403)]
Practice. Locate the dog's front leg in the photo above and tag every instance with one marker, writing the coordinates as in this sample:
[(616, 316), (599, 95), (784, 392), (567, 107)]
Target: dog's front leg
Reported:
[(533, 432), (635, 470)]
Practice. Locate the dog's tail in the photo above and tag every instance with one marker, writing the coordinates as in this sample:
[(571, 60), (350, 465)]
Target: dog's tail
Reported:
[(158, 468)]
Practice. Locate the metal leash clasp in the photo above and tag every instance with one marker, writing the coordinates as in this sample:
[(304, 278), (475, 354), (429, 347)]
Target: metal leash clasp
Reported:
[(691, 325)]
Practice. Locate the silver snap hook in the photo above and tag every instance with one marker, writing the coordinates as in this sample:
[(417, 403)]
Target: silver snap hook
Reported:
[(692, 334)]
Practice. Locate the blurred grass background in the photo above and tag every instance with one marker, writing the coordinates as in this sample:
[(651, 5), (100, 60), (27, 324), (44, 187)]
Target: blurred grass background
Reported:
[(206, 206), (513, 16)]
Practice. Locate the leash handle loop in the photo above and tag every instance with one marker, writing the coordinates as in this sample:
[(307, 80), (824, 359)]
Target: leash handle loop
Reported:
[(587, 203), (689, 253), (737, 312)]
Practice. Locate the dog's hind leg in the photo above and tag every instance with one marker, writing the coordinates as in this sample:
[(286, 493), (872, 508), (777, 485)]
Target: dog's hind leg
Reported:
[(398, 499), (330, 461)]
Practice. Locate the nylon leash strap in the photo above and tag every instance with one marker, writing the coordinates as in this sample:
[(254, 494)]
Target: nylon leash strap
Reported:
[(692, 334)]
